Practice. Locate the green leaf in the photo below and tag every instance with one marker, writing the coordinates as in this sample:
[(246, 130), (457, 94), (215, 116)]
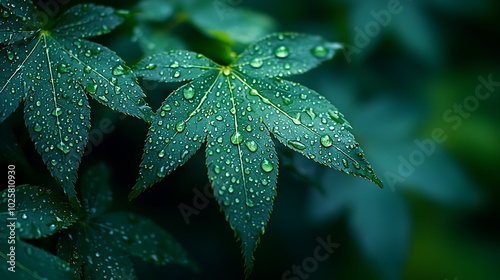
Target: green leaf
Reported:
[(141, 237), (96, 190), (236, 108), (99, 246), (32, 263), (230, 24), (93, 255), (39, 212), (52, 70), (16, 21)]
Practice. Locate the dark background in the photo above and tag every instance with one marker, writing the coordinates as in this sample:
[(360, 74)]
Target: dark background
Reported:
[(440, 222)]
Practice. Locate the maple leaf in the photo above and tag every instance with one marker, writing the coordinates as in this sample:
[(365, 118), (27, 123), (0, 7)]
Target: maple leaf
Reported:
[(235, 109), (50, 67)]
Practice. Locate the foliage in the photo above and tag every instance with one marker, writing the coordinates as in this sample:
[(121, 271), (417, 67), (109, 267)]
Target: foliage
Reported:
[(50, 66), (92, 244), (234, 109)]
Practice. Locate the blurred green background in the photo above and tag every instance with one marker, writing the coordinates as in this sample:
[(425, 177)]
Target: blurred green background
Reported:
[(396, 83)]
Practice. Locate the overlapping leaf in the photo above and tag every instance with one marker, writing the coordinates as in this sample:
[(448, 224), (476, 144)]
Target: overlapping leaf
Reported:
[(52, 69), (39, 212), (234, 109), (32, 263), (99, 246)]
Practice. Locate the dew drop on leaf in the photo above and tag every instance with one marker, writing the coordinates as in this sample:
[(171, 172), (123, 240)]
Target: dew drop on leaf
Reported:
[(286, 100), (174, 64), (254, 92), (150, 66), (119, 70), (345, 163), (188, 93), (326, 141), (161, 172), (10, 55), (217, 169), (297, 145), (319, 51), (236, 138), (180, 126), (176, 74), (251, 145), (281, 52), (87, 69), (166, 107), (91, 88), (335, 115), (63, 147), (256, 62), (161, 154), (37, 127), (57, 112), (63, 68), (266, 165), (103, 98)]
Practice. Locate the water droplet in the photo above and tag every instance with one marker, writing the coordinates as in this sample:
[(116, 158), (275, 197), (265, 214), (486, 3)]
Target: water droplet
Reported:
[(166, 107), (24, 217), (118, 90), (251, 145), (281, 52), (297, 145), (254, 92), (248, 216), (91, 88), (119, 70), (97, 254), (161, 153), (188, 92), (63, 147), (57, 112), (286, 100), (336, 116), (174, 64), (249, 203), (326, 141), (10, 55), (103, 98), (236, 138), (37, 127), (319, 51), (162, 172), (356, 165), (345, 163), (217, 169), (176, 74), (53, 162), (266, 165), (150, 66), (256, 63), (180, 126), (87, 69), (303, 96), (63, 68)]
